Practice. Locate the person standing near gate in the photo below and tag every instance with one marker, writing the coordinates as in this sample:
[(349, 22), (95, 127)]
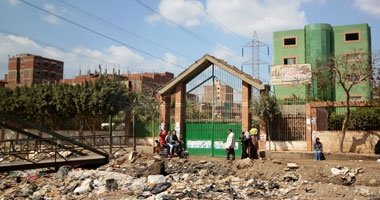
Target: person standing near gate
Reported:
[(244, 142), (230, 145)]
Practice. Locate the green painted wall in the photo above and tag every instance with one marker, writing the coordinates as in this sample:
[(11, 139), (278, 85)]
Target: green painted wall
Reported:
[(319, 42), (319, 48), (280, 52), (364, 46)]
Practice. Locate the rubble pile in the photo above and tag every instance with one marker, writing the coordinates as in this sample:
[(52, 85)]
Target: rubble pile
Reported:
[(344, 175), (145, 176)]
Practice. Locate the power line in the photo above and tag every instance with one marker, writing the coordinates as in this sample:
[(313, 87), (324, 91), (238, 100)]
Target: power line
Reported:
[(218, 22), (66, 50), (194, 35), (125, 31), (98, 33)]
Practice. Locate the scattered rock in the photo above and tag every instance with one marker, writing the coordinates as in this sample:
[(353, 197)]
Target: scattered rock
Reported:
[(160, 187), (290, 177), (111, 184), (292, 166), (62, 172), (85, 187), (244, 163), (335, 171), (154, 179), (203, 172), (276, 162)]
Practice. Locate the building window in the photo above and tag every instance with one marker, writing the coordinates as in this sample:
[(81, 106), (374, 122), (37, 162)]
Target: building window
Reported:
[(355, 98), (289, 42), (38, 63), (38, 73), (59, 67), (353, 78), (45, 73), (353, 57), (53, 65), (46, 63), (352, 36), (290, 61)]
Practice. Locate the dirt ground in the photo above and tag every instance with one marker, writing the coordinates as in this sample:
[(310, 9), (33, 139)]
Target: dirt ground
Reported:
[(241, 179), (320, 184)]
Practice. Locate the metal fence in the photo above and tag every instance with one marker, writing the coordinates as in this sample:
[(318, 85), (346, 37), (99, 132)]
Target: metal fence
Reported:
[(290, 125), (361, 118)]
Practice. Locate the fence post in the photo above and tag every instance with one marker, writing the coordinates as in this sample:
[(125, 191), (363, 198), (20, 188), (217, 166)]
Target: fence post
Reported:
[(309, 129), (110, 135)]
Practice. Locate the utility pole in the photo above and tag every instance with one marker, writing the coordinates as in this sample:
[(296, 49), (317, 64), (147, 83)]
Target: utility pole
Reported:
[(255, 45)]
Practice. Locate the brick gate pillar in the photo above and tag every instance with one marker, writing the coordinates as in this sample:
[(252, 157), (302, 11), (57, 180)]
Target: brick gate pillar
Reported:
[(180, 109), (165, 111), (127, 126), (245, 106), (311, 125), (263, 128)]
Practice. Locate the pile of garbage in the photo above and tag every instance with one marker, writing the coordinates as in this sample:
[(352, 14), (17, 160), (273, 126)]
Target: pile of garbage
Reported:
[(145, 176), (344, 175)]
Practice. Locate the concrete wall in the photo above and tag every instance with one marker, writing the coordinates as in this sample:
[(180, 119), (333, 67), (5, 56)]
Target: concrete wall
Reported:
[(287, 145), (354, 142)]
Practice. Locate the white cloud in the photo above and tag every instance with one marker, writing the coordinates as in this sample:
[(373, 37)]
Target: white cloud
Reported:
[(13, 2), (80, 57), (369, 6), (245, 16), (185, 12), (240, 16), (50, 18), (227, 54)]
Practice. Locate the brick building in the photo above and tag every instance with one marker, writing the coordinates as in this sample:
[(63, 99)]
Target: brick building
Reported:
[(148, 81), (28, 69), (91, 77), (222, 93)]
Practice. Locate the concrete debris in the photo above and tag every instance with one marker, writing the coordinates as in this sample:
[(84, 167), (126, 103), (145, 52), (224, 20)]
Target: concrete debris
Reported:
[(62, 172), (244, 163), (290, 177), (292, 166), (153, 177), (111, 184), (277, 162)]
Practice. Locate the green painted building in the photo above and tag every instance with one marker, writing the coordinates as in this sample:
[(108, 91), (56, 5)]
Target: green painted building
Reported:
[(303, 48)]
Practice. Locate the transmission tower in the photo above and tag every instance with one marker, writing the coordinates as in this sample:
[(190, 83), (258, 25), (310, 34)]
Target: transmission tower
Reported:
[(255, 45)]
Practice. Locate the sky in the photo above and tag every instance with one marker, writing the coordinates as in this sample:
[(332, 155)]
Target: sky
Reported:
[(162, 35)]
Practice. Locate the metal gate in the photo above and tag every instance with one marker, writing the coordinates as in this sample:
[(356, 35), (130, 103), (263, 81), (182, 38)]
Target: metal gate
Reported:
[(291, 124), (213, 105)]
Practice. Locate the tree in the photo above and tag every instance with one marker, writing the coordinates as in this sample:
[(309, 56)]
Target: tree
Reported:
[(267, 108), (376, 76), (346, 73)]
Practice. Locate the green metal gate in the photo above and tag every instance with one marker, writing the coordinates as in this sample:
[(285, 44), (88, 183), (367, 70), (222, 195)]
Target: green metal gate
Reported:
[(213, 105)]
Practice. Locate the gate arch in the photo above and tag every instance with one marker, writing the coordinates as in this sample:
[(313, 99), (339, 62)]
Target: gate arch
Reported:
[(210, 97)]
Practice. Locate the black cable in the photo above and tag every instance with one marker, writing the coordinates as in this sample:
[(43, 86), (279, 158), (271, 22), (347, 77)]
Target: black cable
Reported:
[(100, 34), (196, 36), (94, 17)]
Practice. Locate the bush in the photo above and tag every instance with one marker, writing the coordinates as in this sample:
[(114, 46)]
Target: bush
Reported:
[(335, 121), (363, 119)]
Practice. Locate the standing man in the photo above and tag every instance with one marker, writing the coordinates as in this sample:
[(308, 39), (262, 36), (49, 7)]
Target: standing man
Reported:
[(243, 141), (230, 145)]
